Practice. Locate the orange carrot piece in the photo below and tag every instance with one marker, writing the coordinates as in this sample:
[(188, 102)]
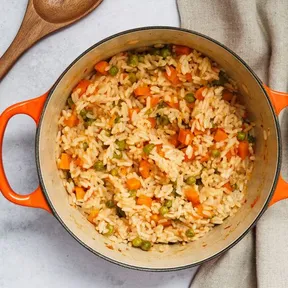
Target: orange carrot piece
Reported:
[(173, 104), (155, 218), (228, 187), (198, 132), (243, 149), (79, 191), (144, 200), (82, 86), (173, 78), (185, 137), (181, 50), (112, 119), (205, 158), (186, 158), (133, 184), (93, 214), (165, 223), (123, 170), (160, 151), (220, 135), (142, 91), (192, 196), (131, 111), (227, 95), (188, 77), (65, 161), (198, 94), (154, 101), (200, 211), (144, 169), (101, 67), (152, 121), (72, 121), (79, 162), (174, 140)]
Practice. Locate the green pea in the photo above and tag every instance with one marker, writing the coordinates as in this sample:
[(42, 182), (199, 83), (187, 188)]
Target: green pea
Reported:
[(132, 77), (88, 122), (189, 233), (215, 153), (114, 172), (108, 133), (85, 146), (137, 242), (99, 166), (168, 203), (83, 113), (110, 204), (113, 70), (251, 139), (133, 60), (241, 136), (120, 212), (148, 148), (149, 111), (163, 120), (117, 119), (121, 144), (145, 245), (133, 193), (155, 51), (222, 79), (190, 180), (70, 102), (189, 97), (110, 229), (141, 58), (161, 105), (165, 52), (235, 186), (163, 210), (117, 154)]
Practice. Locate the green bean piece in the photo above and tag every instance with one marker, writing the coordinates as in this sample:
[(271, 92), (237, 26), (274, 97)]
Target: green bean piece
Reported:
[(168, 203), (121, 144), (113, 70), (70, 102), (137, 242), (133, 60), (189, 97), (241, 136), (215, 153), (189, 233), (147, 149), (165, 52), (132, 77), (146, 245), (99, 166), (117, 154), (110, 230), (110, 204), (114, 172), (251, 139), (85, 146), (163, 210), (190, 180), (120, 212)]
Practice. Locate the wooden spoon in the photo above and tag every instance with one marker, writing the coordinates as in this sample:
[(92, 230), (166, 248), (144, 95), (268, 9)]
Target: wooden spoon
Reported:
[(43, 17)]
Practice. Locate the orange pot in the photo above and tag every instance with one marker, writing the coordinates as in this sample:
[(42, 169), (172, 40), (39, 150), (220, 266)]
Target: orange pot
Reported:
[(266, 185)]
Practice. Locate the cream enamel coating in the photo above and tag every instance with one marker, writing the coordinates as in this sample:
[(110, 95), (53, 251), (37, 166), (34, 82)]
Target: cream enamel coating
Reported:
[(177, 256)]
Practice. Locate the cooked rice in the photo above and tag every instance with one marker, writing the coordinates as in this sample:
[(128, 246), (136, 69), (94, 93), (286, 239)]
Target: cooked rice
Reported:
[(107, 102)]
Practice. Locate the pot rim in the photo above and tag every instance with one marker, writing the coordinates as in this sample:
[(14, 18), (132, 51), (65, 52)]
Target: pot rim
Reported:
[(42, 184)]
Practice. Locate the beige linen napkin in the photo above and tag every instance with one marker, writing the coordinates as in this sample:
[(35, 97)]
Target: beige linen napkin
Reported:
[(257, 30)]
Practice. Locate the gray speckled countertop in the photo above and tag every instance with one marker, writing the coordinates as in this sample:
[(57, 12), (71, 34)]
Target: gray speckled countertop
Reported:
[(35, 251)]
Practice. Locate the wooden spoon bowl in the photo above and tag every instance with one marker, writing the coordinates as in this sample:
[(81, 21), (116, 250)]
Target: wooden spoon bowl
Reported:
[(43, 17)]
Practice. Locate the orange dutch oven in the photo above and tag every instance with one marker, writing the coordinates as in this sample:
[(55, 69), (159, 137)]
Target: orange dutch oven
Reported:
[(265, 187)]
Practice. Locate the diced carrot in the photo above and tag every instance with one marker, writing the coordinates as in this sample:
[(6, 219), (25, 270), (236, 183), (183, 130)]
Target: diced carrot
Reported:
[(154, 101), (198, 94), (228, 155), (228, 187), (198, 132), (142, 91), (123, 170), (173, 78), (79, 162), (82, 86), (188, 77), (165, 223), (152, 121), (181, 50), (227, 95), (144, 168), (243, 149), (144, 200), (93, 214), (131, 111), (185, 136), (160, 151), (186, 158), (200, 211), (174, 140), (205, 158), (112, 119), (133, 184), (220, 135), (192, 196), (173, 104), (79, 191), (65, 161), (155, 218), (101, 67), (72, 121)]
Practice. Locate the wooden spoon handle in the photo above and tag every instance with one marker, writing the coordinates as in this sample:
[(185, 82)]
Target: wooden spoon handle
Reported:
[(32, 29)]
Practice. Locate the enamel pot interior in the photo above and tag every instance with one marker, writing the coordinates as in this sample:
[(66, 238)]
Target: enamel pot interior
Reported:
[(221, 237)]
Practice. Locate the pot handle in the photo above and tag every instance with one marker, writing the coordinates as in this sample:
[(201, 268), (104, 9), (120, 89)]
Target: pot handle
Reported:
[(279, 101), (32, 108)]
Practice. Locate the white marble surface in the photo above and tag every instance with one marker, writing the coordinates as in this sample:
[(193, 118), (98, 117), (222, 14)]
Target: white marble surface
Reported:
[(35, 251)]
